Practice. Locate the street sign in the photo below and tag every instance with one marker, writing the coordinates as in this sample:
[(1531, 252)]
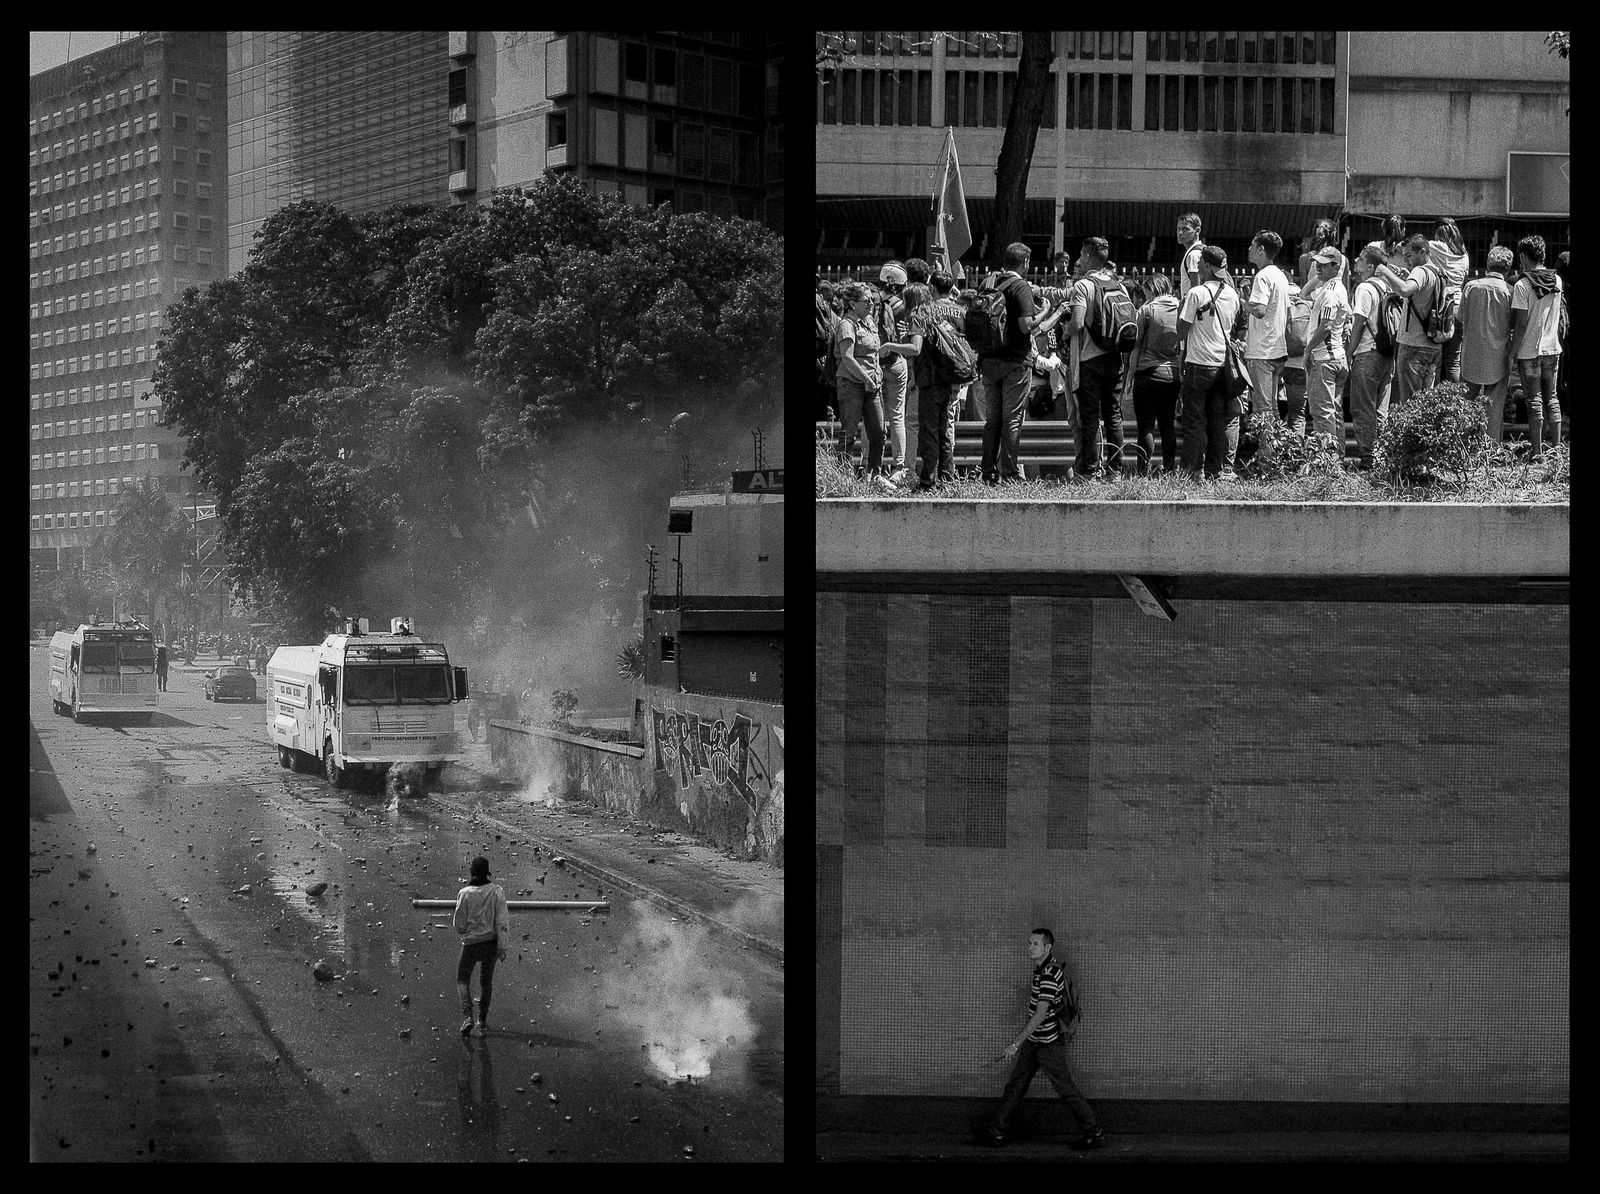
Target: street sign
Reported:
[(766, 480)]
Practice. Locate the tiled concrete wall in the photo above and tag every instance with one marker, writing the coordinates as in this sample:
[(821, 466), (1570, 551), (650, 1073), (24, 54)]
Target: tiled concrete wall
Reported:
[(1290, 851)]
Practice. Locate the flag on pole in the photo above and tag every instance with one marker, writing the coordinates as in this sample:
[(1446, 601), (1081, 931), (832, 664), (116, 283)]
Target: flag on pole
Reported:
[(952, 235)]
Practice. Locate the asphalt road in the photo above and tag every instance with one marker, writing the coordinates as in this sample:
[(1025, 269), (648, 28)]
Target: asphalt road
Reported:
[(175, 1016)]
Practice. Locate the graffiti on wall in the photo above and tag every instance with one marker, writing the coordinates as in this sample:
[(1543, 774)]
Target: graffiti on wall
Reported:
[(712, 758)]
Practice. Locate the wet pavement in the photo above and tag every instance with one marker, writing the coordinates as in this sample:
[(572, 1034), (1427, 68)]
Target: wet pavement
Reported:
[(175, 1014)]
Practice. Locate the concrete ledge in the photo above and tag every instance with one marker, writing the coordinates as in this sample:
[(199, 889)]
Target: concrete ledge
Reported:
[(616, 748), (1282, 539)]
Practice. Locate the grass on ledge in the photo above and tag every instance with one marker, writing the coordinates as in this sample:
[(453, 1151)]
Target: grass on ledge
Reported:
[(1500, 481)]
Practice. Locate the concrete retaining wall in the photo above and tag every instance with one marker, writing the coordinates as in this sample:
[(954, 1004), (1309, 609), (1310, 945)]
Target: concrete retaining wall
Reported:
[(1179, 538)]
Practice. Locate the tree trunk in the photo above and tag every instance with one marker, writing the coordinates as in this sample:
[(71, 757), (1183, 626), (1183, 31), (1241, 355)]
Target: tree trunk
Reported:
[(1016, 151)]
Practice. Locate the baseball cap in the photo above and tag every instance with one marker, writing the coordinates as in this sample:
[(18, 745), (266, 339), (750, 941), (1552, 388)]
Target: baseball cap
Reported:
[(893, 274), (1213, 256), (1328, 255)]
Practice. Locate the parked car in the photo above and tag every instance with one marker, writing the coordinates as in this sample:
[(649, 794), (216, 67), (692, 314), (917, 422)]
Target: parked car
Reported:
[(236, 682)]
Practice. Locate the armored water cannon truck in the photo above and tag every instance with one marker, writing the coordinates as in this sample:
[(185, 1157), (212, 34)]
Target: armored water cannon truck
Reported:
[(361, 701)]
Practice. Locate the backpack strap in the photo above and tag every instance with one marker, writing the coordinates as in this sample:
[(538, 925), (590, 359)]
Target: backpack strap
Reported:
[(1411, 302)]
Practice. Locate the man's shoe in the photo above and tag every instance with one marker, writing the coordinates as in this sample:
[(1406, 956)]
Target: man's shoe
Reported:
[(992, 1138), (1090, 1140), (481, 1030), (466, 1026)]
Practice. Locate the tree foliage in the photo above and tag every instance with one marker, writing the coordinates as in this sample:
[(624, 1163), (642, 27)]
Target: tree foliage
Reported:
[(393, 409)]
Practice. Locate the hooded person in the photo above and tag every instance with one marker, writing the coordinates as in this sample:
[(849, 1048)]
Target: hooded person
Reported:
[(483, 920)]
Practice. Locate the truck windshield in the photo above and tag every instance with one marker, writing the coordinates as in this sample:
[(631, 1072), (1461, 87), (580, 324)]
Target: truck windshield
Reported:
[(99, 657), (137, 657), (406, 685)]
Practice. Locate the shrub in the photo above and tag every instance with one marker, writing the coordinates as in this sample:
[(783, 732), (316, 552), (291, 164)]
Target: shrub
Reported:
[(1282, 453), (1440, 434)]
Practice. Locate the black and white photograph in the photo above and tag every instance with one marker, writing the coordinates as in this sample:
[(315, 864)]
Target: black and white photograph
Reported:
[(1192, 604), (406, 596)]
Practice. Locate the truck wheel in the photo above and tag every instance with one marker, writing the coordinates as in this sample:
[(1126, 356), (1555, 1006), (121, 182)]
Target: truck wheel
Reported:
[(285, 760), (431, 774), (338, 776)]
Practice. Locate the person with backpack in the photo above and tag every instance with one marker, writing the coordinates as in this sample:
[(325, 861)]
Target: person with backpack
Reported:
[(1000, 325), (1447, 253), (945, 366), (1266, 351), (1189, 238), (1536, 305), (1153, 367), (1417, 352), (1371, 368), (1485, 320), (827, 367), (1102, 324), (1042, 1044), (1210, 419), (860, 376)]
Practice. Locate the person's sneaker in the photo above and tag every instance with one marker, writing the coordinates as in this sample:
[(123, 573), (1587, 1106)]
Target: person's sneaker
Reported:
[(466, 1026), (992, 1138), (899, 476), (1227, 478), (1092, 1139), (883, 482)]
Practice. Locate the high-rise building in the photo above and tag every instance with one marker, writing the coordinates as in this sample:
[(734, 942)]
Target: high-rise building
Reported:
[(356, 119), (126, 191), (690, 119)]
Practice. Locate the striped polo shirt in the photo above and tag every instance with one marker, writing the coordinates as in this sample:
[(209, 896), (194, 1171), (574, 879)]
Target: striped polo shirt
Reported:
[(1050, 987)]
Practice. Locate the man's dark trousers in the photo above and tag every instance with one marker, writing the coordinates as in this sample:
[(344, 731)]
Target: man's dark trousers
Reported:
[(1007, 383), (1099, 406), (1052, 1059)]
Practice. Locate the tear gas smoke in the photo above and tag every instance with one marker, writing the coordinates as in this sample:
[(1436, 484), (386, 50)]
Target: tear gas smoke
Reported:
[(406, 779), (693, 1021)]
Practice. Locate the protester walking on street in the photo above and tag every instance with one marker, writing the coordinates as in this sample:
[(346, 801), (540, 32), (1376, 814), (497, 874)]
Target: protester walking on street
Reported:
[(161, 666), (1042, 1045), (483, 920)]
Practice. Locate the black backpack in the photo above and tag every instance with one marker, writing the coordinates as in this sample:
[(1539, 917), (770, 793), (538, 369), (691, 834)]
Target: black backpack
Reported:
[(1069, 1013), (952, 358), (1115, 324), (985, 324)]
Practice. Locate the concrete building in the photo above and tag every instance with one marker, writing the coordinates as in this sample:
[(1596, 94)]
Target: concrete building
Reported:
[(126, 190), (690, 119), (1249, 129), (356, 119)]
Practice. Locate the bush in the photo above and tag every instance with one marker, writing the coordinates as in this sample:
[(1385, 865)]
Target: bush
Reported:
[(1282, 453), (1440, 434)]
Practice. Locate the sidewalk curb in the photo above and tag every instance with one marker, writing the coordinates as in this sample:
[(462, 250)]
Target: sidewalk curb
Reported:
[(769, 948)]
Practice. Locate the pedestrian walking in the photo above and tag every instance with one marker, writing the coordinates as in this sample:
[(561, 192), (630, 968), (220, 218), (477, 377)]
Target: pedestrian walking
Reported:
[(161, 666), (483, 920), (1042, 1045)]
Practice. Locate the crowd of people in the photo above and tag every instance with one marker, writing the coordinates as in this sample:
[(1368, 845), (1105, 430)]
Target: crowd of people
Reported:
[(1340, 339)]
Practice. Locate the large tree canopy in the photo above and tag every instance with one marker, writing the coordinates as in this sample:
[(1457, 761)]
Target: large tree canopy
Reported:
[(394, 409)]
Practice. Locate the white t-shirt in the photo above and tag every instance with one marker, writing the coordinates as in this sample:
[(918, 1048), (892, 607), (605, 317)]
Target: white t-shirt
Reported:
[(1191, 264), (1263, 340), (1330, 308), (1365, 303), (1541, 335), (1207, 343)]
